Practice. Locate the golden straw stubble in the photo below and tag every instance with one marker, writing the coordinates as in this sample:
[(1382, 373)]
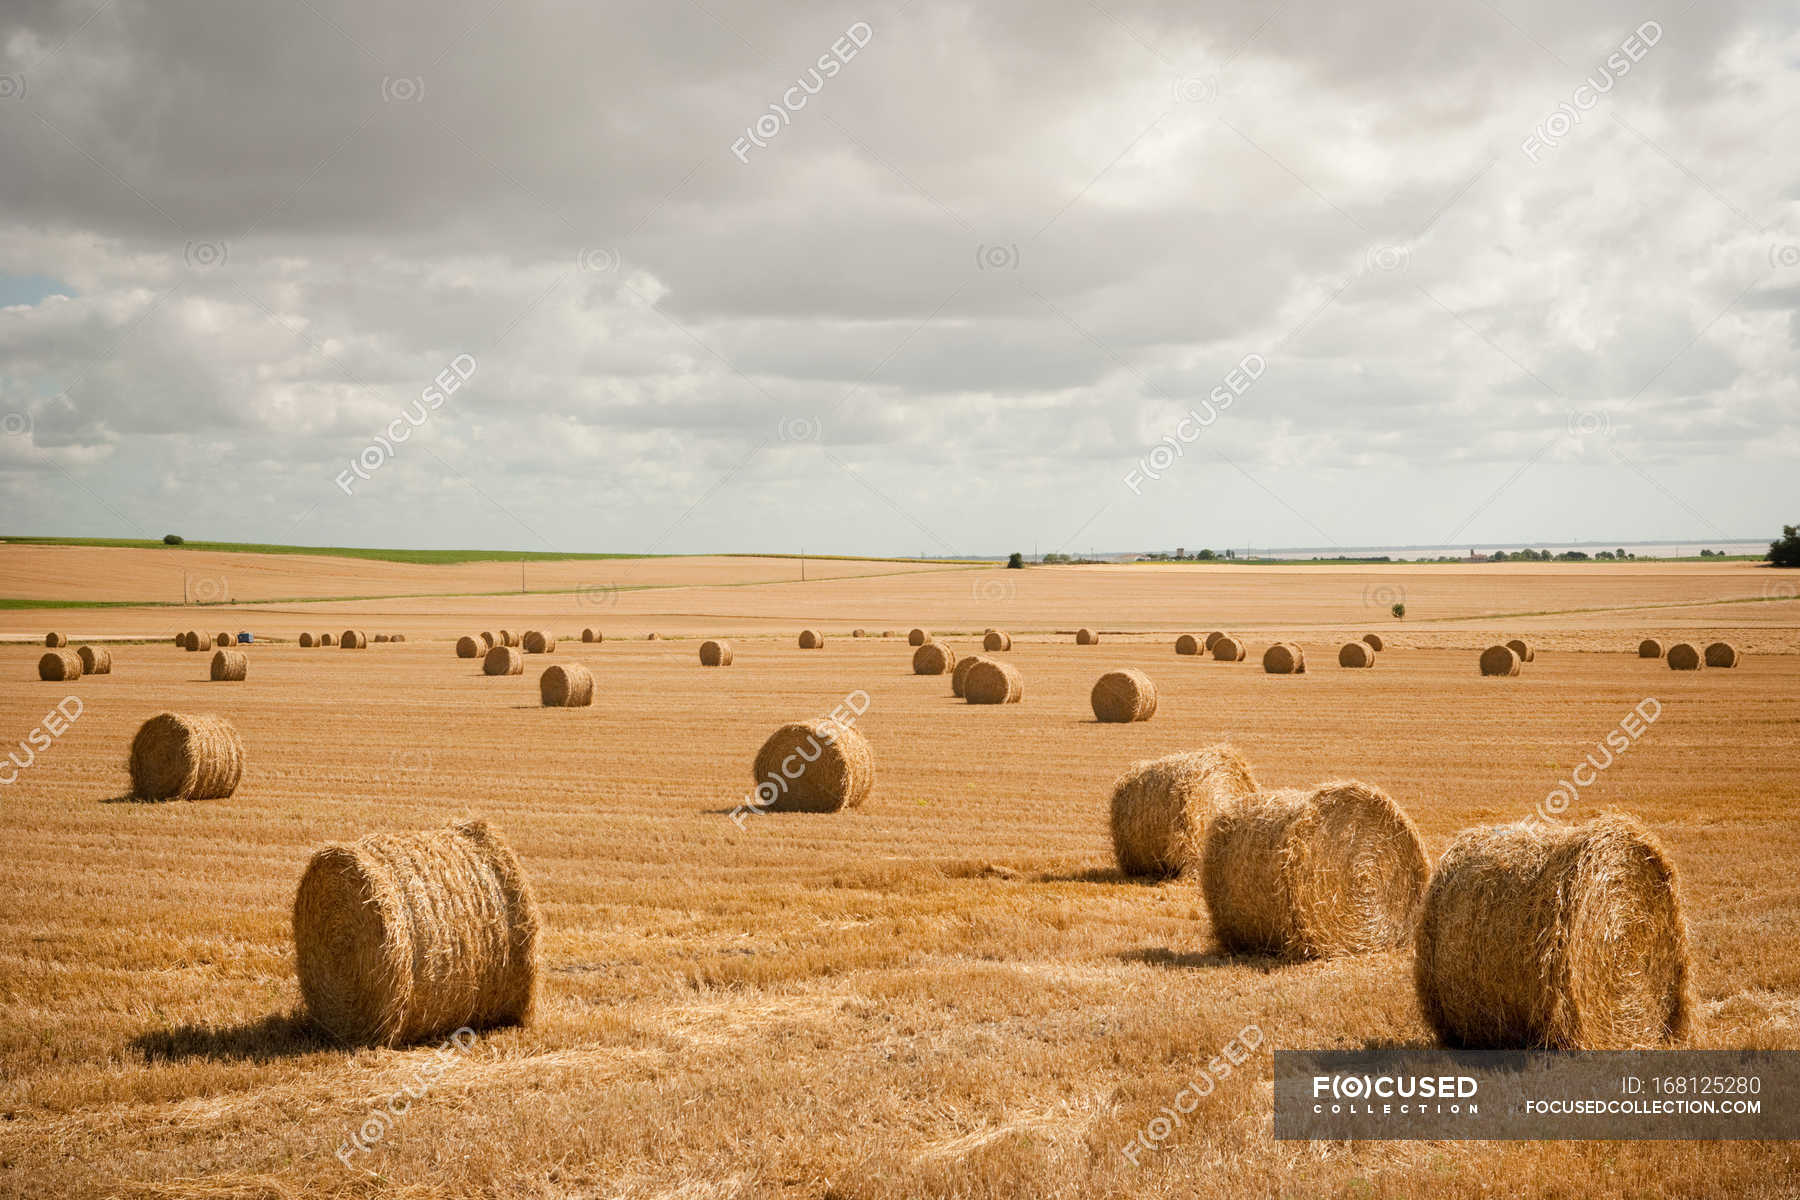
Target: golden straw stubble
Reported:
[(403, 937), (814, 766), (181, 756)]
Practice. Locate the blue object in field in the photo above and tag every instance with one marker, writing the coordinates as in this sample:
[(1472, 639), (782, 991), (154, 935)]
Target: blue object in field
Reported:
[(243, 636)]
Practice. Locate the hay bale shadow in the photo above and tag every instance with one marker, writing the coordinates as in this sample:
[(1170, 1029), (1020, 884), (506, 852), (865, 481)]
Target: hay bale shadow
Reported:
[(279, 1035), (1100, 875), (1160, 956)]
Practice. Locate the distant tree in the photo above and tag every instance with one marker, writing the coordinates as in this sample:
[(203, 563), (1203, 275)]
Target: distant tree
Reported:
[(1015, 561), (1399, 610), (172, 539), (1231, 554), (1785, 551), (1620, 554), (1499, 556), (1572, 556), (1606, 555), (1205, 555)]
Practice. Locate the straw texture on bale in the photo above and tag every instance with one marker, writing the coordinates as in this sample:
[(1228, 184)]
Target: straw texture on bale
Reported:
[(814, 766), (1685, 656), (1162, 806), (193, 639), (176, 756), (1356, 654), (993, 640), (536, 641), (917, 637), (1086, 637), (1284, 658), (715, 654), (1555, 937), (353, 639), (1121, 697), (221, 639), (991, 681), (933, 658), (1722, 654), (587, 635), (55, 641), (95, 660), (506, 637), (1314, 873), (403, 937), (503, 660), (327, 639), (1373, 641), (1519, 647), (568, 685), (306, 641), (488, 641), (1650, 648), (1211, 639), (58, 665), (1229, 649), (1187, 643), (468, 647), (811, 639), (1499, 660), (229, 666), (959, 674)]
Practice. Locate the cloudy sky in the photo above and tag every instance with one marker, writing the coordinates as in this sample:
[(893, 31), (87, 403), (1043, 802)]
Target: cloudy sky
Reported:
[(899, 277)]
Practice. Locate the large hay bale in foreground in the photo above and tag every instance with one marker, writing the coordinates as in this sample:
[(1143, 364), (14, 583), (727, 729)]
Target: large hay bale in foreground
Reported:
[(1284, 658), (55, 641), (566, 686), (1650, 648), (916, 637), (306, 641), (1226, 648), (995, 640), (811, 639), (933, 658), (95, 660), (991, 681), (536, 641), (503, 660), (959, 674), (715, 654), (813, 766), (221, 640), (468, 647), (1555, 937), (1356, 654), (1684, 656), (1086, 637), (1722, 654), (1373, 641), (229, 666), (1121, 697), (176, 756), (1519, 647), (1499, 660), (353, 639), (403, 937), (58, 665), (1334, 870), (1187, 643), (1161, 807)]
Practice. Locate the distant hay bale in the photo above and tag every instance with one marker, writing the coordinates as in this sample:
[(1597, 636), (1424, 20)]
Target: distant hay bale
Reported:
[(1124, 696), (917, 637), (230, 666), (1086, 637), (181, 641), (1685, 656), (1650, 648), (398, 637), (814, 766), (536, 641), (1314, 873), (306, 641), (715, 654), (193, 640), (1284, 658), (488, 641), (95, 660), (995, 640), (1226, 648), (991, 681), (506, 637), (59, 665), (856, 633), (1161, 807), (503, 660), (1499, 660), (1722, 654), (468, 647), (403, 937), (177, 756), (1187, 643), (1526, 653), (1535, 936), (587, 635), (653, 637), (959, 674), (886, 633), (1373, 641), (55, 641), (1356, 654), (933, 658), (327, 639), (811, 639), (566, 685), (380, 637), (1211, 639), (353, 639), (221, 639)]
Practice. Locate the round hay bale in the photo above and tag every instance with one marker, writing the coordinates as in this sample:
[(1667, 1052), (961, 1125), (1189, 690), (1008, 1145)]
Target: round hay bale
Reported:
[(856, 633), (715, 654), (1161, 807), (506, 637), (503, 660), (1211, 639), (468, 647), (1499, 660), (994, 640), (916, 637), (229, 666), (1722, 654), (587, 635), (536, 641), (811, 639), (327, 639), (933, 658), (1356, 654), (890, 633), (1284, 658), (1536, 936), (95, 660), (1650, 648), (181, 641), (353, 639), (398, 637), (379, 638), (1121, 697), (194, 641), (653, 637), (59, 665), (1526, 653), (1685, 656), (1373, 641), (959, 674), (1086, 637), (221, 639), (55, 641), (566, 686), (1314, 873), (991, 681), (306, 641), (176, 756), (402, 937), (488, 641), (814, 766), (1226, 648), (1187, 643)]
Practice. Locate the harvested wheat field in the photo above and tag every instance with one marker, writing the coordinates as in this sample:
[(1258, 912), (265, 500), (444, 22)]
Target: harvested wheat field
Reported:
[(947, 989)]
